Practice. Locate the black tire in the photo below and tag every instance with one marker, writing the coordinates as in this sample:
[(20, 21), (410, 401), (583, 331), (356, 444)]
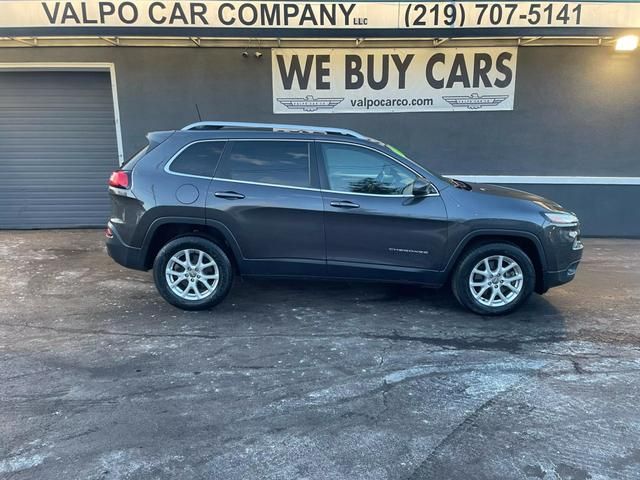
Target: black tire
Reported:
[(224, 271), (460, 281)]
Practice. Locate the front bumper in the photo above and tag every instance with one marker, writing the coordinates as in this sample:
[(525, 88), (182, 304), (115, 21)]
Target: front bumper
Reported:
[(553, 279), (122, 253), (564, 252)]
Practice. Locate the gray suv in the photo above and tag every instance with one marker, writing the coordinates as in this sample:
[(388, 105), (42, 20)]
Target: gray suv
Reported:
[(218, 199)]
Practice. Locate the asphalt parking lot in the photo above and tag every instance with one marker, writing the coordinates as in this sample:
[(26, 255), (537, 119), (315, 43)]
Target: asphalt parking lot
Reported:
[(101, 379)]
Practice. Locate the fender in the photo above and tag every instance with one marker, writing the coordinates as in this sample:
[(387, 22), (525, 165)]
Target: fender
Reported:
[(453, 258), (228, 236), (221, 228)]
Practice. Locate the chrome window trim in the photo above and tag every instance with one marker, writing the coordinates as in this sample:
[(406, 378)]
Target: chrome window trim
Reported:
[(167, 166), (382, 194), (168, 170), (266, 184), (321, 190)]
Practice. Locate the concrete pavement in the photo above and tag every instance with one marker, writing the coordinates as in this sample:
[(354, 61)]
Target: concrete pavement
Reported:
[(101, 379)]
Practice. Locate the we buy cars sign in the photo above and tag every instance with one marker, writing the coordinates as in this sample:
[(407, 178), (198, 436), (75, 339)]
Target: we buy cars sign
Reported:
[(393, 80)]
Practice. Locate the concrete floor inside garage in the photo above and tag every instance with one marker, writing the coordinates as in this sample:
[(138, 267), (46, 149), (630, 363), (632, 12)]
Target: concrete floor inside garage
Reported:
[(101, 379)]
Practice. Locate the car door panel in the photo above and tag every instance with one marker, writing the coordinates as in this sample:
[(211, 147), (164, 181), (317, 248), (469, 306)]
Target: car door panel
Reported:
[(269, 221), (391, 235), (406, 232), (279, 228)]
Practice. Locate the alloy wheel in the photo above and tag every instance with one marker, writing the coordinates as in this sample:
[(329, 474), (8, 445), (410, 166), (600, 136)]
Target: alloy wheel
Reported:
[(192, 274), (496, 281)]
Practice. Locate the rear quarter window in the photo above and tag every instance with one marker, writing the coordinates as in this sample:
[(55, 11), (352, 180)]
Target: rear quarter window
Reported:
[(198, 159)]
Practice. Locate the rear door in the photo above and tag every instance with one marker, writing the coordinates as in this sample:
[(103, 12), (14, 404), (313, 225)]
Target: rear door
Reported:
[(374, 226), (267, 193)]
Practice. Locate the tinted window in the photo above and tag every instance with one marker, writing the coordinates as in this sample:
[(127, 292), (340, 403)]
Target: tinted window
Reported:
[(360, 170), (273, 162), (198, 159)]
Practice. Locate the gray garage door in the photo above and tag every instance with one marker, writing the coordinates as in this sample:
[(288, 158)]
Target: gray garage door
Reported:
[(57, 148)]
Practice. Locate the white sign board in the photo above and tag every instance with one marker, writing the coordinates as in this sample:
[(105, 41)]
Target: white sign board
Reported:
[(393, 80), (97, 14)]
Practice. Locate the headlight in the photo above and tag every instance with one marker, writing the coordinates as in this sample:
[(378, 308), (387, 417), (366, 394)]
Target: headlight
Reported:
[(564, 219)]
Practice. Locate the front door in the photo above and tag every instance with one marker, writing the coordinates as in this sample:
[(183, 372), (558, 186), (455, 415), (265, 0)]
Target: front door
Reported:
[(374, 226), (266, 193)]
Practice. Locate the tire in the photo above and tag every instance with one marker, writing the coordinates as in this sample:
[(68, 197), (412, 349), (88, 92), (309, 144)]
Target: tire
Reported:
[(510, 292), (200, 288)]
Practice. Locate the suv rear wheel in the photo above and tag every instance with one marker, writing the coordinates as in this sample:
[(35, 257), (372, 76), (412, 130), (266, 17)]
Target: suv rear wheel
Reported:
[(493, 279), (192, 273)]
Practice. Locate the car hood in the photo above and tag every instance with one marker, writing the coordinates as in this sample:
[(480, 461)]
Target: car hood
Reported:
[(496, 191)]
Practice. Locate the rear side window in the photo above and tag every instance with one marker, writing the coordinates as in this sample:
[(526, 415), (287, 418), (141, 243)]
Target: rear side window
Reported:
[(272, 162), (198, 159)]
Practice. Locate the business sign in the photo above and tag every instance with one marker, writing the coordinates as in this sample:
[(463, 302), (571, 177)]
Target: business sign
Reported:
[(393, 80), (98, 14)]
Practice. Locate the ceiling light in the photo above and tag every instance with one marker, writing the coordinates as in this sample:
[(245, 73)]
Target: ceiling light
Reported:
[(627, 43)]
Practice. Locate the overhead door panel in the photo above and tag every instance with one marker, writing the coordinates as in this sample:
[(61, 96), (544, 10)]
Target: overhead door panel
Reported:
[(57, 148)]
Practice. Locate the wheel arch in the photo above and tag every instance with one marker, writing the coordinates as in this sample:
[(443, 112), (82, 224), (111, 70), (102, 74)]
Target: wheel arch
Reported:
[(528, 242), (165, 229)]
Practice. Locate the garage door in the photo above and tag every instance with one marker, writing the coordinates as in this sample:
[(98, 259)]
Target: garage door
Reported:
[(57, 148)]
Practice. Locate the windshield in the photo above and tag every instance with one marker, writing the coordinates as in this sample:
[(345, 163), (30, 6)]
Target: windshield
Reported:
[(400, 153)]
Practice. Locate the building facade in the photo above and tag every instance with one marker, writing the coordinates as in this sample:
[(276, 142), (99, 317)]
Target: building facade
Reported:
[(541, 101)]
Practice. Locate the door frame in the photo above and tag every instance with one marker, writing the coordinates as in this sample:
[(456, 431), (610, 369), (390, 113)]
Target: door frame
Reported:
[(77, 67)]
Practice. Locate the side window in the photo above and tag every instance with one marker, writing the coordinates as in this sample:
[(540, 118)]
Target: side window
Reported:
[(198, 159), (272, 162), (356, 169)]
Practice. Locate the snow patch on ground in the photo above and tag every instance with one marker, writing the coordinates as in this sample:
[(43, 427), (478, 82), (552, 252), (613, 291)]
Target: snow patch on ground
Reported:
[(22, 462)]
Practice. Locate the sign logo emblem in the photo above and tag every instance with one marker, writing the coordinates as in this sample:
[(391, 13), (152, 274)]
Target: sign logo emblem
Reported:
[(475, 101), (310, 103)]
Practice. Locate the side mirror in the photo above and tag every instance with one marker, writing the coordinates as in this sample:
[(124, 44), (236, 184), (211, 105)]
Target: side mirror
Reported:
[(422, 188)]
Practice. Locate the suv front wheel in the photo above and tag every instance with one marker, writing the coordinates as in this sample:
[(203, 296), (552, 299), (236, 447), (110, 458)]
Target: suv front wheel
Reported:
[(192, 273), (493, 279)]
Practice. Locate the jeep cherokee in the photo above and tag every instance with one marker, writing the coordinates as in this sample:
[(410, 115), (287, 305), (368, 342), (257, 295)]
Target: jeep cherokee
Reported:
[(216, 199)]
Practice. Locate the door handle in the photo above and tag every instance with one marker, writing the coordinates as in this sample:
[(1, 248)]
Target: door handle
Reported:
[(345, 204), (229, 195)]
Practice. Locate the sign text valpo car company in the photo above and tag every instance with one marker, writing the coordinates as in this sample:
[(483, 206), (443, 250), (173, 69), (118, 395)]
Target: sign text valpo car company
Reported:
[(365, 15), (393, 80)]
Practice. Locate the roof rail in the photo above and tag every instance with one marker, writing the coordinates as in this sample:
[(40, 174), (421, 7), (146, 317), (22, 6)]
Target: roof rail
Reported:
[(274, 127)]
